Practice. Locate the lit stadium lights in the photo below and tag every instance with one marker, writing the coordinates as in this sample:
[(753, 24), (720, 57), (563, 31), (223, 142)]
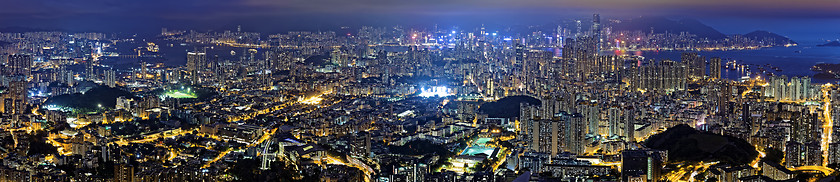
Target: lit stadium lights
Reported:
[(438, 91)]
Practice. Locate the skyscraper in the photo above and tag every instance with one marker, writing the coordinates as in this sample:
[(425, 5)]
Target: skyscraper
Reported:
[(696, 64), (596, 32), (714, 68), (110, 78), (574, 133), (196, 62), (14, 100), (646, 164)]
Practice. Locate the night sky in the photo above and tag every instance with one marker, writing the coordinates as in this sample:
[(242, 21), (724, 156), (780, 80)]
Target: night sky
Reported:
[(729, 16)]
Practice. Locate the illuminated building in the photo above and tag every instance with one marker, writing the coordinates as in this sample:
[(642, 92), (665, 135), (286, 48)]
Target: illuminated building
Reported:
[(19, 64), (642, 163), (833, 153), (629, 124), (596, 32), (196, 63), (574, 132), (714, 68), (14, 100), (614, 122), (110, 78), (696, 65), (591, 116), (802, 154), (123, 173), (665, 77), (775, 171), (437, 91)]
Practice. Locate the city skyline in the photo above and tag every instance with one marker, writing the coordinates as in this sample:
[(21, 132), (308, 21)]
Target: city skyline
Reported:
[(280, 16), (420, 91)]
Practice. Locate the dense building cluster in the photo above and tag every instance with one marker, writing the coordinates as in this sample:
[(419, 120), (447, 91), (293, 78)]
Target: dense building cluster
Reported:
[(402, 104)]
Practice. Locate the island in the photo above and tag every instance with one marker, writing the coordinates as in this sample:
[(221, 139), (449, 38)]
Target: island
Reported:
[(826, 71), (830, 44)]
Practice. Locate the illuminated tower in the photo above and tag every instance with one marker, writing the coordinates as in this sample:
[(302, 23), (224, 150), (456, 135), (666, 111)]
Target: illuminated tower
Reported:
[(614, 127), (19, 64), (195, 63), (714, 68), (574, 133), (143, 70), (629, 124), (14, 99), (89, 69), (596, 32), (110, 78), (520, 54), (696, 65)]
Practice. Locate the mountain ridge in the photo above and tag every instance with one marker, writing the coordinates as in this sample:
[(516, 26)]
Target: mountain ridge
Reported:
[(663, 25), (659, 25)]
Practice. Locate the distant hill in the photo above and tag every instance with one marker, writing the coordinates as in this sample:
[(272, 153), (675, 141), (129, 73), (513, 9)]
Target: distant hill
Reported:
[(684, 143), (507, 107), (25, 29), (830, 44), (663, 25), (769, 38), (90, 100), (317, 60)]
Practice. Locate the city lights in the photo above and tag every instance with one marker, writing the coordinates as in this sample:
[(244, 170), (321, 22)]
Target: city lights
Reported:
[(437, 91), (420, 91)]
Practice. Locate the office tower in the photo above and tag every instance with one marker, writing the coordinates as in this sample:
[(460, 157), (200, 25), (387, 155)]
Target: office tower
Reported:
[(596, 32), (714, 68), (644, 164), (19, 64), (578, 30), (110, 78), (196, 62)]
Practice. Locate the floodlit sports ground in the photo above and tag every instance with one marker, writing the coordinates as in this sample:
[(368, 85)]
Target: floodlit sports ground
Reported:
[(180, 94), (468, 157), (475, 150), (478, 147), (482, 141)]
